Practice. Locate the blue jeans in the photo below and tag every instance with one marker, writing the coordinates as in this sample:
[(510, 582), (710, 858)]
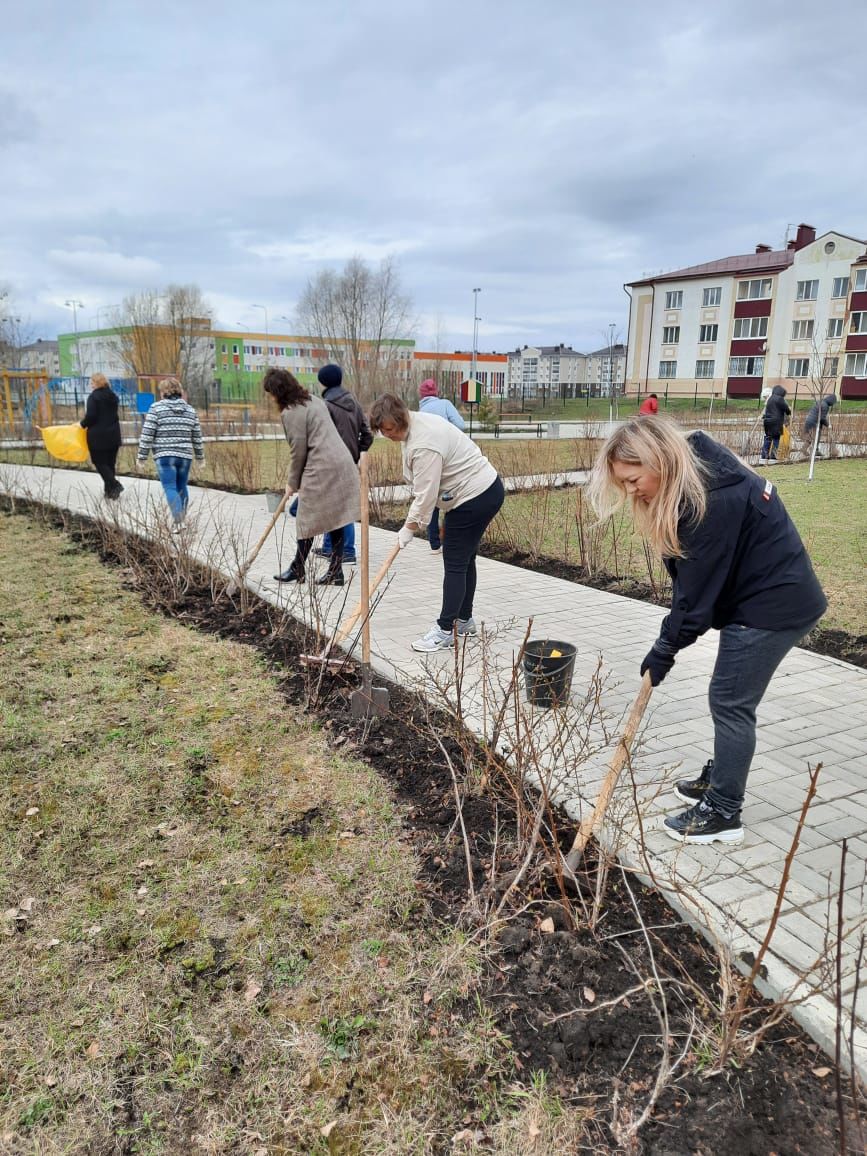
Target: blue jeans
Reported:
[(745, 664), (772, 441), (173, 473), (348, 541), (464, 527)]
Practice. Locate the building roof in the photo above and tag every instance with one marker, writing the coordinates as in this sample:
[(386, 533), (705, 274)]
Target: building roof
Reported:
[(771, 261), (615, 351), (421, 355)]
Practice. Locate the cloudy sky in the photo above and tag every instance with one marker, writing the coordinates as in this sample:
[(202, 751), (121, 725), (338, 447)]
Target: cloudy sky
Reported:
[(545, 152)]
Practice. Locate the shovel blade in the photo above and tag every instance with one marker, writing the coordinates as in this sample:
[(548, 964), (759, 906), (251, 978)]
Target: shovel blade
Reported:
[(369, 702)]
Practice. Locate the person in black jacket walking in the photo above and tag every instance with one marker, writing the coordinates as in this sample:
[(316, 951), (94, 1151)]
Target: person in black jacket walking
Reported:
[(737, 565), (103, 432), (775, 418), (352, 426)]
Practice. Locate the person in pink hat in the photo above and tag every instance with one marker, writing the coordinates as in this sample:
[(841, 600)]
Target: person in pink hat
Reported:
[(429, 401)]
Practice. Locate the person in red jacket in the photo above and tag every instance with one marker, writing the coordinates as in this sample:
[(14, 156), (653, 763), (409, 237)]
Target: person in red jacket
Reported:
[(650, 404)]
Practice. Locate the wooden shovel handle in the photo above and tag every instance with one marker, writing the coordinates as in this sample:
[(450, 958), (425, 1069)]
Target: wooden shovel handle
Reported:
[(621, 754), (348, 623), (255, 551)]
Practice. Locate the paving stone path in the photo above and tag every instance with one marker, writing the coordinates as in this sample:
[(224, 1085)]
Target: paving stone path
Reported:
[(815, 710)]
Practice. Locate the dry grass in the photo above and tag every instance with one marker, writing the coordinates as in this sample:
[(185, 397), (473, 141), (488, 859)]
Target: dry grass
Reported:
[(225, 949)]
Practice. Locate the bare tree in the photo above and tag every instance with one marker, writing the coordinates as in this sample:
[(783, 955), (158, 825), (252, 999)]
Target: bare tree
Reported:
[(13, 332), (168, 332), (824, 369), (359, 316)]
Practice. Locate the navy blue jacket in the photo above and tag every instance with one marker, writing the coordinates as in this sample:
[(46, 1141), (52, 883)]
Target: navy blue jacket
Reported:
[(744, 563)]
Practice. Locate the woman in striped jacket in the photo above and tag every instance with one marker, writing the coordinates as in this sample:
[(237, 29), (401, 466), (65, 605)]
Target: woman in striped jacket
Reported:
[(171, 431)]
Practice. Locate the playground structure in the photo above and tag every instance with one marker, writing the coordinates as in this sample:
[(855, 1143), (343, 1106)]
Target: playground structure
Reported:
[(30, 398)]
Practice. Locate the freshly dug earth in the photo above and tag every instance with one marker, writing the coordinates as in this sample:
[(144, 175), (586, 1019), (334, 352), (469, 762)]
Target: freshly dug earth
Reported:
[(775, 1103), (781, 1100)]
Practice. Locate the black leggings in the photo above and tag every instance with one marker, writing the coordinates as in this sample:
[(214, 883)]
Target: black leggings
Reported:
[(104, 465), (305, 545), (463, 530)]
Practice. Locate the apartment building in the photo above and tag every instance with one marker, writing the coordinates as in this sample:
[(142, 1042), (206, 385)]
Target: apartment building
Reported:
[(449, 369), (606, 367), (41, 357), (546, 372), (795, 317)]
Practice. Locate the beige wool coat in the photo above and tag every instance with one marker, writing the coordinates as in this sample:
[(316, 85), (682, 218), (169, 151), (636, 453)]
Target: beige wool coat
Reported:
[(321, 471)]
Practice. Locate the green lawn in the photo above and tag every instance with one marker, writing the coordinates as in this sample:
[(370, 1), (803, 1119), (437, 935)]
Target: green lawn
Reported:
[(213, 939)]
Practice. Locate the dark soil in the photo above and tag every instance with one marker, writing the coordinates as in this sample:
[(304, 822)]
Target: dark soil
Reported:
[(774, 1103)]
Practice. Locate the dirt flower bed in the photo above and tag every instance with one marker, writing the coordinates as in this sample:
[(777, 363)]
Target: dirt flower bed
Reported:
[(573, 1013)]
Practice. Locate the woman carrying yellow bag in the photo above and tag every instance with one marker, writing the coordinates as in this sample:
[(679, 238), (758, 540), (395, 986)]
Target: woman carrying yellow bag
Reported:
[(67, 443), (103, 432)]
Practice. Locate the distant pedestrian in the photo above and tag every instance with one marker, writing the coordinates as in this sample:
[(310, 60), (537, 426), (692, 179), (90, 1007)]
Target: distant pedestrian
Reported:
[(348, 417), (737, 565), (775, 419), (321, 472), (820, 412), (172, 433), (649, 405), (431, 402), (103, 432), (439, 460)]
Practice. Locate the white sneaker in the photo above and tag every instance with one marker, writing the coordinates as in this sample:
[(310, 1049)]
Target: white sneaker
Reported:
[(435, 639), (466, 626)]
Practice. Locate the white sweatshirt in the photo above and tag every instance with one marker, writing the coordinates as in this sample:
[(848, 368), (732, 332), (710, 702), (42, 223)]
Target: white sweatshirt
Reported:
[(439, 460)]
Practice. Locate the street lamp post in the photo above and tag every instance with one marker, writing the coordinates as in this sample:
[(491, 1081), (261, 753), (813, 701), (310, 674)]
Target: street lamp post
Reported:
[(612, 401), (75, 305), (476, 320), (267, 334)]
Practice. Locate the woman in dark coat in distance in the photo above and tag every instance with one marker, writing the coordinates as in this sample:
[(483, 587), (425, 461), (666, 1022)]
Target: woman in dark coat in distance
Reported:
[(775, 419), (103, 432)]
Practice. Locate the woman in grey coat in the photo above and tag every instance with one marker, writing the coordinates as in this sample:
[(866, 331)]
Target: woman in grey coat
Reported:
[(321, 472)]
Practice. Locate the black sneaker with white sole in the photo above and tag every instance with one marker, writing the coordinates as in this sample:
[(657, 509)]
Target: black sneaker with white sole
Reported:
[(692, 791), (703, 824)]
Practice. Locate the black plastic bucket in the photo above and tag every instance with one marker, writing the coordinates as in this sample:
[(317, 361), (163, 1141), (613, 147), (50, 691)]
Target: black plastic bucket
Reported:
[(547, 679)]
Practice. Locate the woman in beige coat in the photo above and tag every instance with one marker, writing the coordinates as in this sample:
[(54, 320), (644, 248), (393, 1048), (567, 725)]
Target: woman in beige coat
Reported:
[(321, 472)]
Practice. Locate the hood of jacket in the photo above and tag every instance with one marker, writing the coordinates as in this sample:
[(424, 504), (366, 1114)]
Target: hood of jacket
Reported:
[(341, 397), (830, 399), (722, 468), (778, 391), (176, 404)]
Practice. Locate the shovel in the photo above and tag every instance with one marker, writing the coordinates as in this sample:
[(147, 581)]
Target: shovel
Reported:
[(369, 700), (621, 754), (232, 588)]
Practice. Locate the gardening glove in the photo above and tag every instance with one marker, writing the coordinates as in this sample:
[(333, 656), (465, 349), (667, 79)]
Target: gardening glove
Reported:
[(404, 537), (658, 662)]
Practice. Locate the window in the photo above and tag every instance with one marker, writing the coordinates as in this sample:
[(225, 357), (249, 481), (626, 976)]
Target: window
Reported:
[(807, 291), (802, 330), (674, 299), (708, 332), (799, 367), (856, 364), (858, 323), (234, 348), (704, 369), (746, 366), (860, 280), (835, 327), (670, 334), (841, 287), (750, 327), (831, 367), (667, 369), (752, 290), (712, 296)]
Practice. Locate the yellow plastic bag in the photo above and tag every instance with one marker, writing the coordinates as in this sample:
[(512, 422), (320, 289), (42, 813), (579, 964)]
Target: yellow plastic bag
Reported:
[(785, 443), (66, 442)]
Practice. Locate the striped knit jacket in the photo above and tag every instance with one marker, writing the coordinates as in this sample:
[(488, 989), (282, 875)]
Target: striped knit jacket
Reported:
[(171, 430)]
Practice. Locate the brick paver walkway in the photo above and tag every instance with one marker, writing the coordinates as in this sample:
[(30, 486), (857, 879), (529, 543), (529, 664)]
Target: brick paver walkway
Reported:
[(814, 711)]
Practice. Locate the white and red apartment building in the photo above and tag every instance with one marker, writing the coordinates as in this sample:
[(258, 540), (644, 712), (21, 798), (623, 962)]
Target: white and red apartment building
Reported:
[(738, 325)]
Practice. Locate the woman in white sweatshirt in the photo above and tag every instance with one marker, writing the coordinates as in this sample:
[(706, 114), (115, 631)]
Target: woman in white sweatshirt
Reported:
[(444, 468)]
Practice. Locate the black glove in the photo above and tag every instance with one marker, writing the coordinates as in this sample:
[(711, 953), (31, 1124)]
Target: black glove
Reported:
[(658, 663)]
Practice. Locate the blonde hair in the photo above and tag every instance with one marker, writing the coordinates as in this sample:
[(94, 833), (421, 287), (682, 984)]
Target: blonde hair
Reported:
[(661, 447), (100, 381), (170, 387)]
